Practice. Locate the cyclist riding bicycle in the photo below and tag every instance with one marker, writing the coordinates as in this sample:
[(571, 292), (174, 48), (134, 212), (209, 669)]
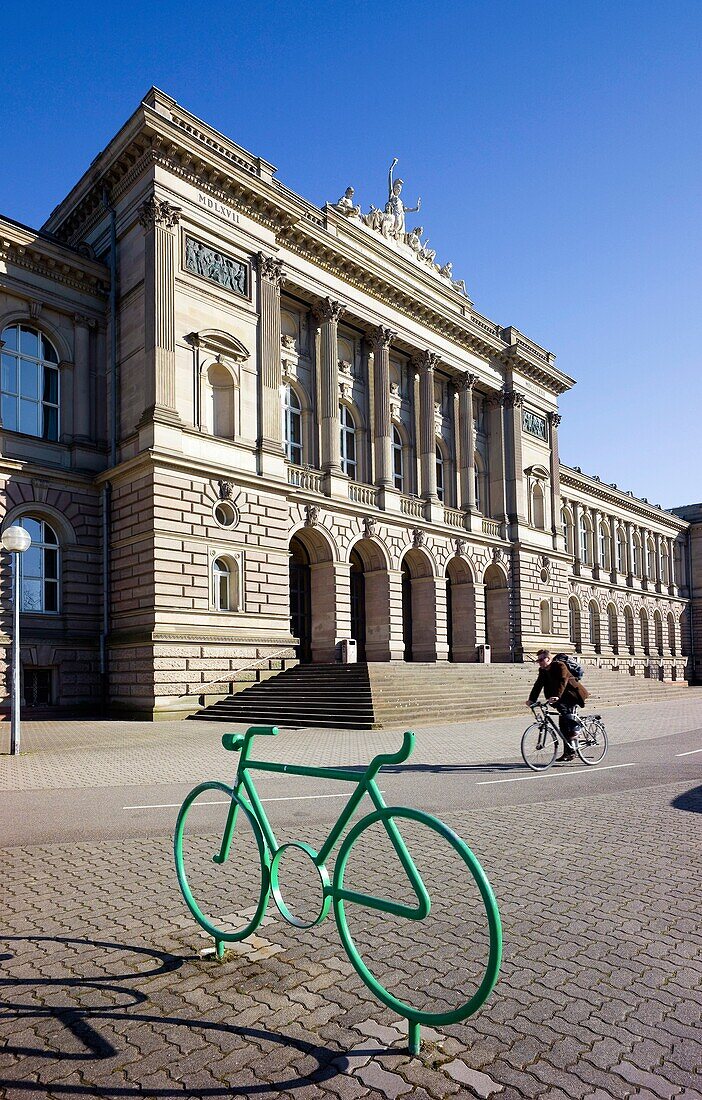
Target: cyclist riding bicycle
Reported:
[(564, 692)]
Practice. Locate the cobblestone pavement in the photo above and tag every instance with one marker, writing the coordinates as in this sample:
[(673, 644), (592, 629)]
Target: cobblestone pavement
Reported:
[(110, 990)]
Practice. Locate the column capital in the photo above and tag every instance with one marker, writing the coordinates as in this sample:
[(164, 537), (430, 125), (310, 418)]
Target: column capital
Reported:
[(83, 321), (270, 268), (554, 419), (159, 212), (382, 337), (496, 399), (467, 382), (514, 399), (425, 360), (329, 310)]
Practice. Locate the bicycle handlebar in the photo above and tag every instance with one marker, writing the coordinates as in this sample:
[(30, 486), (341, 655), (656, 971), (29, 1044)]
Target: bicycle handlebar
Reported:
[(235, 741), (405, 751)]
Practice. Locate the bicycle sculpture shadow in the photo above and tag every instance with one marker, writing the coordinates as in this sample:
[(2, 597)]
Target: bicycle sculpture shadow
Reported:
[(244, 805)]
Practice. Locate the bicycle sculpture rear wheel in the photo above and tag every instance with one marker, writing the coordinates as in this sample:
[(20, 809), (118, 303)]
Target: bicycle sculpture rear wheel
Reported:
[(224, 877), (539, 747), (487, 914), (591, 744)]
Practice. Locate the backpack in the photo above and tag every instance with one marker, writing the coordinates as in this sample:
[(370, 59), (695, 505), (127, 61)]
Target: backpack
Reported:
[(573, 666)]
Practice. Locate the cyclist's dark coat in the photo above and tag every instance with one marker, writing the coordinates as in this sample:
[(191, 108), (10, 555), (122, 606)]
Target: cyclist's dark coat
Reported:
[(558, 680)]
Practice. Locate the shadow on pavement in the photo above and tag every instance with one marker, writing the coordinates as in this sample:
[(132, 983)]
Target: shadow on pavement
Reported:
[(690, 800), (398, 769), (82, 1022)]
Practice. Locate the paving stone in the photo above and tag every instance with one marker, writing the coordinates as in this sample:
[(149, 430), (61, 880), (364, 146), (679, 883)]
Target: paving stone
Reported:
[(387, 1084), (478, 1082)]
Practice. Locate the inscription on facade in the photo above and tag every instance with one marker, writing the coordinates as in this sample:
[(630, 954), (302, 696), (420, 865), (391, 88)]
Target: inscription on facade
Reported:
[(219, 208), (535, 425), (217, 267)]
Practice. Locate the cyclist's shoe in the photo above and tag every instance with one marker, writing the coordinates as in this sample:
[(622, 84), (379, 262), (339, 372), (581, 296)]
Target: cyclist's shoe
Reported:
[(566, 755)]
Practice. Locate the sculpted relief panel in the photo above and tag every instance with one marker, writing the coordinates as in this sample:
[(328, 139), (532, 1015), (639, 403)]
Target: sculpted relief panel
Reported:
[(219, 268)]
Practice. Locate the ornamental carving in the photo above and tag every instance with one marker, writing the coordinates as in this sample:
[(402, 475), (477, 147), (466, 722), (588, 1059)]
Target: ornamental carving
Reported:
[(383, 337), (554, 420), (534, 424), (158, 212), (425, 361), (514, 399), (460, 547), (226, 488), (328, 310), (271, 269), (417, 538), (468, 381), (369, 527), (217, 267), (311, 515)]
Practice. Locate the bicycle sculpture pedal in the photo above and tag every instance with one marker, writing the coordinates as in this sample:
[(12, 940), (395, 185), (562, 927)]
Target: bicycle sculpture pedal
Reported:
[(245, 809)]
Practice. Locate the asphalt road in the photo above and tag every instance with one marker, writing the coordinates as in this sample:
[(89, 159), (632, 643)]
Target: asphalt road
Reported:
[(149, 810)]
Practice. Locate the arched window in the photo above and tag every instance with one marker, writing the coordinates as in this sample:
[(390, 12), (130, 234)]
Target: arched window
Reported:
[(585, 539), (39, 568), (225, 585), (348, 442), (537, 507), (621, 551), (594, 623), (671, 632), (612, 627), (658, 631), (574, 623), (665, 568), (643, 622), (220, 399), (545, 616), (629, 628), (636, 555), (292, 425), (567, 521), (398, 460), (440, 488), (482, 502), (30, 383), (650, 560), (603, 556)]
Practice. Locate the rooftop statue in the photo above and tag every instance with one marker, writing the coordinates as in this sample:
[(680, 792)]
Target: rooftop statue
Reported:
[(396, 207), (346, 206)]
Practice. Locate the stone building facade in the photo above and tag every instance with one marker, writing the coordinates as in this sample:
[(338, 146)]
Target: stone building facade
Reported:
[(241, 429)]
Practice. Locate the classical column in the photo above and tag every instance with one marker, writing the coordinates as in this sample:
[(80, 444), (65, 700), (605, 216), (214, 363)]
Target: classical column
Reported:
[(596, 520), (554, 420), (159, 219), (328, 313), (81, 377), (270, 279), (671, 564), (644, 557), (657, 562), (466, 443), (496, 457), (514, 466), (382, 338), (426, 363)]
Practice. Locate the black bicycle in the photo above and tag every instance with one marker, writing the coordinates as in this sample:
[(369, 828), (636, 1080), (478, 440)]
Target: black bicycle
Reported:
[(541, 739)]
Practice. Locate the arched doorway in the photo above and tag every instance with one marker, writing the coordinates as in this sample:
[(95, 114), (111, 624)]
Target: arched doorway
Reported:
[(461, 618), (301, 600), (497, 627), (358, 604), (419, 625)]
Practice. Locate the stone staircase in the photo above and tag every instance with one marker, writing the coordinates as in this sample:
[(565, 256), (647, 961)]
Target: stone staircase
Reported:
[(365, 696)]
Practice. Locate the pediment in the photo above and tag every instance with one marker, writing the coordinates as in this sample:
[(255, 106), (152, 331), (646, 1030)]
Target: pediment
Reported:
[(220, 343)]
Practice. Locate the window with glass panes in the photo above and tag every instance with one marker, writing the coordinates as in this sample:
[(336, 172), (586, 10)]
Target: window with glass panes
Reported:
[(29, 383), (39, 567), (348, 442), (221, 585), (292, 425), (439, 473), (398, 465)]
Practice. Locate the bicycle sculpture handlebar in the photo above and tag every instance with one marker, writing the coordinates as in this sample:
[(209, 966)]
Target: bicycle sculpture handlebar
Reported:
[(246, 809)]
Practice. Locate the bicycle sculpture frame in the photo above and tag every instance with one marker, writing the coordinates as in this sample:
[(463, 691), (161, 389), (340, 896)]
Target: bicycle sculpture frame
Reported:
[(244, 800), (540, 740)]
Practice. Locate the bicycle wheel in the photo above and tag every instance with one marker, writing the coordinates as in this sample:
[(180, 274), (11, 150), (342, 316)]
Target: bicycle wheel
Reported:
[(591, 744), (227, 896), (539, 746), (423, 954)]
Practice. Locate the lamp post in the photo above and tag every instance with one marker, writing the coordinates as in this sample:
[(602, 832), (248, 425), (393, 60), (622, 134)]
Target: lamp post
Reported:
[(16, 540)]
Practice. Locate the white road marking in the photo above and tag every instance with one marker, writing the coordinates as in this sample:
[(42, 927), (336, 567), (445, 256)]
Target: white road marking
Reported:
[(690, 753), (225, 801), (550, 775)]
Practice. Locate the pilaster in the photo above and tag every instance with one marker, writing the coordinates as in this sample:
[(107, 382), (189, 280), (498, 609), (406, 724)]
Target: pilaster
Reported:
[(426, 364), (328, 314), (466, 443), (382, 338), (554, 420), (159, 219), (270, 375), (514, 478)]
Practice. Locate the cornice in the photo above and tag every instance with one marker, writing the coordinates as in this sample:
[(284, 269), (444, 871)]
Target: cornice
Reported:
[(162, 133), (33, 251), (599, 490)]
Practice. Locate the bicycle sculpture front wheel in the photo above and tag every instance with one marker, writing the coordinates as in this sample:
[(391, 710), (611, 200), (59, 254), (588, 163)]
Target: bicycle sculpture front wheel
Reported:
[(424, 935), (222, 862), (591, 744), (539, 746)]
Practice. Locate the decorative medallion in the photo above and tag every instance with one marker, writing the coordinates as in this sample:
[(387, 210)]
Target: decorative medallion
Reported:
[(417, 538), (311, 515)]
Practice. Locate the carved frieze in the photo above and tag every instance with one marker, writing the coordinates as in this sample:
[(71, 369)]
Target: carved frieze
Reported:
[(217, 267)]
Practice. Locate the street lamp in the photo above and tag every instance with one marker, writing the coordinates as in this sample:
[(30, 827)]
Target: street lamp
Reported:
[(16, 540)]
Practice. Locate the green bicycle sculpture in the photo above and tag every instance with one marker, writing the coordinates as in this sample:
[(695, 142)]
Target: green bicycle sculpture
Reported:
[(245, 812)]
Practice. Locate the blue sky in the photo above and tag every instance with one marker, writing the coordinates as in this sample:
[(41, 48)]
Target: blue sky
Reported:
[(556, 145)]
